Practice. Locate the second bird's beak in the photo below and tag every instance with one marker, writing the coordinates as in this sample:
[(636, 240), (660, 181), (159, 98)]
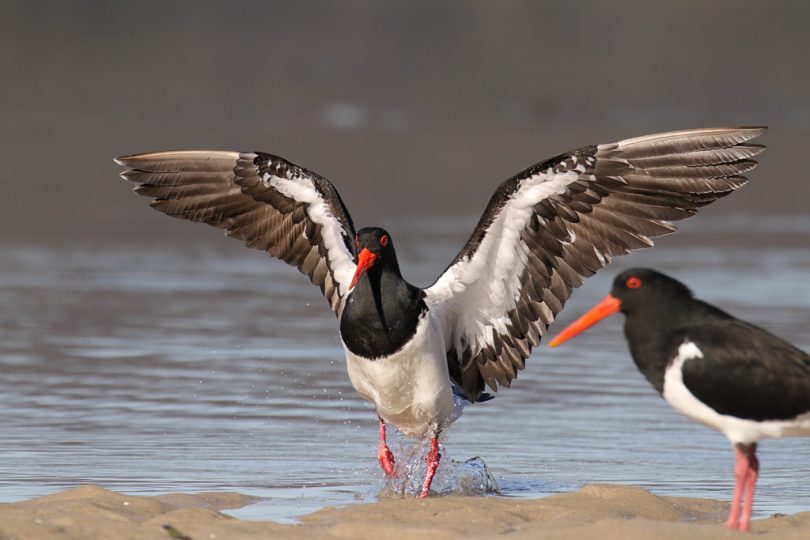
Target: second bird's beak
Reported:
[(364, 261), (607, 307)]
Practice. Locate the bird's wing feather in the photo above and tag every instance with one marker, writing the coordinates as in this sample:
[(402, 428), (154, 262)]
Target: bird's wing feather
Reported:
[(558, 222), (747, 372), (261, 199)]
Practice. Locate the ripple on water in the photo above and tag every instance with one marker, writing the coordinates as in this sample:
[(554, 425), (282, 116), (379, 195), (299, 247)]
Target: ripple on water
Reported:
[(163, 370)]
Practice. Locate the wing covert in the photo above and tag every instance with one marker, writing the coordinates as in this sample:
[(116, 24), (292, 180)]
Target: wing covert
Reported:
[(768, 379)]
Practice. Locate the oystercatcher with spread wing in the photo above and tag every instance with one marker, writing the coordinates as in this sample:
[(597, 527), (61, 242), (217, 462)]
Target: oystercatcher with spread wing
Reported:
[(723, 372), (411, 350)]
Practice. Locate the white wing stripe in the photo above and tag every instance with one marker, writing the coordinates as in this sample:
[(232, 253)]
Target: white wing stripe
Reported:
[(497, 264), (302, 190)]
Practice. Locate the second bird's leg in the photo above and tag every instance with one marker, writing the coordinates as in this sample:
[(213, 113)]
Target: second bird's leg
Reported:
[(740, 468), (384, 453), (433, 457), (748, 487), (746, 471)]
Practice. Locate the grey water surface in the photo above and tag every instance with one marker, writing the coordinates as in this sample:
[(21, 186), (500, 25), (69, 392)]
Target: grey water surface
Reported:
[(158, 369)]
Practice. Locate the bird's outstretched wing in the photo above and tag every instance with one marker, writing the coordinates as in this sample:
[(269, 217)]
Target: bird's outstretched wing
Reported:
[(558, 222), (264, 200)]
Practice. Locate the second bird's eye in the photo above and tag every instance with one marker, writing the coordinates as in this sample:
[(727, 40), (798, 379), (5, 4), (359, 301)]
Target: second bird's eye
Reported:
[(384, 240), (633, 283)]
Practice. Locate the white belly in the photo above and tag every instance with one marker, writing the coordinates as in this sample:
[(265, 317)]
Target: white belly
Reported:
[(738, 430), (411, 388)]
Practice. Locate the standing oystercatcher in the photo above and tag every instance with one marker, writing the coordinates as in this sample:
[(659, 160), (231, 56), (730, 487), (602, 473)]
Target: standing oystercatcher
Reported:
[(723, 372), (411, 350)]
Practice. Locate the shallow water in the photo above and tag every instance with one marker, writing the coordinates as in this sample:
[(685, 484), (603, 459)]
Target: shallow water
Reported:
[(150, 370)]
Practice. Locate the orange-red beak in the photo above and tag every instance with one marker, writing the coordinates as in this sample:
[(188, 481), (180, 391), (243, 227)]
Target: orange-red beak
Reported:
[(364, 261), (607, 307)]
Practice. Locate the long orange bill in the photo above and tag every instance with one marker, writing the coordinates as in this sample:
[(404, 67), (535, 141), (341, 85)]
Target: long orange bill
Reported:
[(364, 261), (607, 307)]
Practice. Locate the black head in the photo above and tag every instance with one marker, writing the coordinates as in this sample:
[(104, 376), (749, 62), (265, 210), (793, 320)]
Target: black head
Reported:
[(636, 291), (374, 251), (641, 289), (376, 240)]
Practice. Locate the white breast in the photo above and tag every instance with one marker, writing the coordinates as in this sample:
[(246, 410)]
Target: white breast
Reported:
[(411, 388), (738, 430)]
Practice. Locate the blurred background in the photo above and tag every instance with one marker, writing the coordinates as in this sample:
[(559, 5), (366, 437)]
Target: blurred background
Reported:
[(150, 354), (405, 106)]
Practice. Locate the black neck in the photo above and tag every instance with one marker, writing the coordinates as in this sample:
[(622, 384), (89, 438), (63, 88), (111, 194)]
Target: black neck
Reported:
[(655, 333), (381, 313)]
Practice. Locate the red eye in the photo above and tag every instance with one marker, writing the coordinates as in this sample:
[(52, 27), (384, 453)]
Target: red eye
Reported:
[(356, 242), (633, 283), (384, 240)]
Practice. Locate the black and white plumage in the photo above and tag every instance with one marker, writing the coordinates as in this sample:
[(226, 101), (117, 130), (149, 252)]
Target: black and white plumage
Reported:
[(718, 370), (543, 232), (556, 223), (263, 200)]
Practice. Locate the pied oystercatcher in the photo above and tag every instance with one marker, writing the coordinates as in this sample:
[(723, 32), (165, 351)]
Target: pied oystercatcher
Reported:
[(723, 372), (410, 350)]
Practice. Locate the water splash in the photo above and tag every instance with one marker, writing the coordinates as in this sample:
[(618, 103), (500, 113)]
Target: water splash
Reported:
[(470, 477)]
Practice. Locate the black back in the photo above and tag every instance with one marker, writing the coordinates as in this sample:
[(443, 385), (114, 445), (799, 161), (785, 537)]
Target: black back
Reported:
[(745, 371), (748, 372), (383, 311)]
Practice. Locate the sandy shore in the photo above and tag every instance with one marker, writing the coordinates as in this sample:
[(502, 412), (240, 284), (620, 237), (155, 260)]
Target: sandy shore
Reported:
[(595, 512)]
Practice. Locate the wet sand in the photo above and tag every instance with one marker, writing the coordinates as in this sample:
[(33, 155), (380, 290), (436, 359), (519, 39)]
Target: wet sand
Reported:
[(596, 511)]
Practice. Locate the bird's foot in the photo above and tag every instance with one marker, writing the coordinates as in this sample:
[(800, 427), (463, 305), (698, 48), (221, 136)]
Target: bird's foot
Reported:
[(743, 524), (433, 457), (386, 458)]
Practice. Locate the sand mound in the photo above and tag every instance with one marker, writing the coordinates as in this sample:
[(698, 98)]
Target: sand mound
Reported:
[(595, 512)]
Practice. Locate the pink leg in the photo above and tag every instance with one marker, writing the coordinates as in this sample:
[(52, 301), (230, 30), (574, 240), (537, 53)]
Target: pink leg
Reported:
[(433, 457), (384, 453), (740, 469), (750, 484)]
